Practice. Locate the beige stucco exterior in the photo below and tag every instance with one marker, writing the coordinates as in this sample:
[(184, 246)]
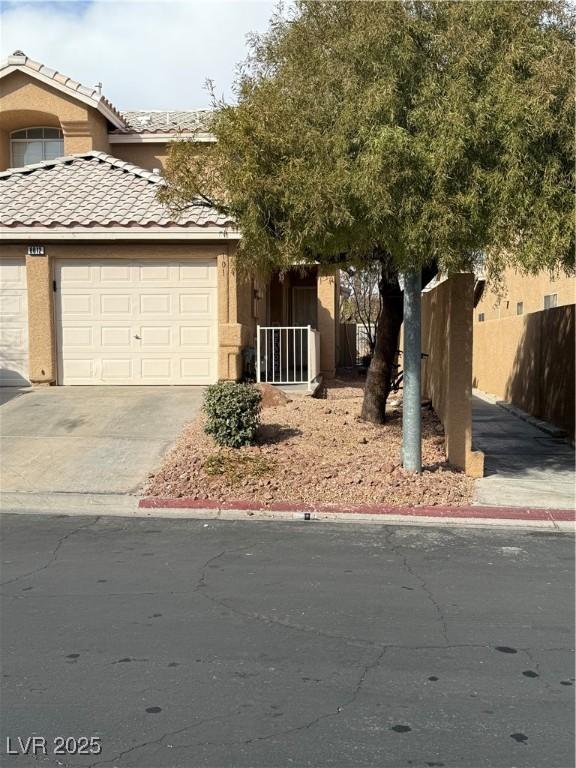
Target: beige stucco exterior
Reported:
[(447, 372), (501, 301), (241, 302), (144, 155), (529, 361), (328, 317), (27, 103)]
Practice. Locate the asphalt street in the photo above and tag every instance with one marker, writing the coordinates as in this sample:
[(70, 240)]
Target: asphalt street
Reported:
[(198, 643)]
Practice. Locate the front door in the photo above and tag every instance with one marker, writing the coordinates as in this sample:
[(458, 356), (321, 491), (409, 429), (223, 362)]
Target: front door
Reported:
[(304, 306)]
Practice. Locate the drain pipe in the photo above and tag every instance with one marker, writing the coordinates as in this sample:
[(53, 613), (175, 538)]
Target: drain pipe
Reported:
[(412, 417)]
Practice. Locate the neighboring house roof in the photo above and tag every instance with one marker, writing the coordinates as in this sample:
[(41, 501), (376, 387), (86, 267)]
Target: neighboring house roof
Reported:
[(18, 61), (163, 121), (91, 190)]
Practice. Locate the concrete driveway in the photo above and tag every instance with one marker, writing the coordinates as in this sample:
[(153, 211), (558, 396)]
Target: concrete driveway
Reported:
[(89, 440)]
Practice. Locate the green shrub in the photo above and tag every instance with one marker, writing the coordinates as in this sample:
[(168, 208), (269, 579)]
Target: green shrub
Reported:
[(232, 413)]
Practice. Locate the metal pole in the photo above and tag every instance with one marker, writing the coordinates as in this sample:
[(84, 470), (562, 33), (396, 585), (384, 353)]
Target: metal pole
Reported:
[(412, 419), (258, 372)]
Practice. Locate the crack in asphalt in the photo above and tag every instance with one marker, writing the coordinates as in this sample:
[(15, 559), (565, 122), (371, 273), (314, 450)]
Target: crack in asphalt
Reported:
[(367, 668), (151, 742), (426, 589), (423, 585), (55, 552)]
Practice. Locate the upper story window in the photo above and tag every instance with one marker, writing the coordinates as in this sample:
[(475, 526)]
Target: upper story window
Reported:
[(550, 300), (32, 145)]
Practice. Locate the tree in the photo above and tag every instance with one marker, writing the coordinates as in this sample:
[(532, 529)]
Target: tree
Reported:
[(396, 136), (361, 303)]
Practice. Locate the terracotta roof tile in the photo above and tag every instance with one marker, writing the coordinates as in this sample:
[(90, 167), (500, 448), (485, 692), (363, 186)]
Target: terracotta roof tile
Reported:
[(91, 189)]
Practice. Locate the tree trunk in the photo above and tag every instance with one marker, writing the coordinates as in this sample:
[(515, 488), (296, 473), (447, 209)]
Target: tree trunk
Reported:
[(379, 377)]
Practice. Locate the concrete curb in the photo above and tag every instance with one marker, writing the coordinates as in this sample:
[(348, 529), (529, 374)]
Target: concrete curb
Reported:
[(112, 505), (370, 511)]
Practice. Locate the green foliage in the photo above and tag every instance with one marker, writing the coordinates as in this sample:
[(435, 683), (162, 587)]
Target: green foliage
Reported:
[(397, 132), (238, 467), (232, 413)]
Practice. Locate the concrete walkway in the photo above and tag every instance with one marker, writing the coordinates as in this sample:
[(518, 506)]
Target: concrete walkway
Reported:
[(524, 466), (88, 440)]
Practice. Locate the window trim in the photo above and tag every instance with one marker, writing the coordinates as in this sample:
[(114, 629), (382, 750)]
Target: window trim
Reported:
[(27, 140)]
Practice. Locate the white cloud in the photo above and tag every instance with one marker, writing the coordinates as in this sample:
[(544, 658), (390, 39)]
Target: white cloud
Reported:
[(153, 54)]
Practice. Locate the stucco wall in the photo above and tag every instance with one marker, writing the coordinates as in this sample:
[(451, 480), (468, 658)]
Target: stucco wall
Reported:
[(147, 156), (27, 103), (528, 289), (233, 333), (328, 321), (529, 361), (447, 372)]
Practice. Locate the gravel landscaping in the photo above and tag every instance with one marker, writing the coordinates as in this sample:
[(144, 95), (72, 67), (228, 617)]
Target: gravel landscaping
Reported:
[(315, 451)]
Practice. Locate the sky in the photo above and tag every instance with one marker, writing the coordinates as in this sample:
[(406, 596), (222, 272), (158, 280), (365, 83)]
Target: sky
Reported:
[(148, 54)]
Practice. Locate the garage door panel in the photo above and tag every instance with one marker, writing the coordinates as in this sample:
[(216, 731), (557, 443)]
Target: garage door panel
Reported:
[(201, 274), (114, 273), (75, 304), (78, 336), (157, 336), (140, 325), (12, 307), (197, 368), (200, 303), (118, 369), (156, 304), (13, 323), (79, 274), (197, 336), (115, 304), (116, 336), (78, 370), (156, 274)]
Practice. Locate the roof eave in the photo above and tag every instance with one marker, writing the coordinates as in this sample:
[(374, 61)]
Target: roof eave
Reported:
[(41, 233), (159, 138)]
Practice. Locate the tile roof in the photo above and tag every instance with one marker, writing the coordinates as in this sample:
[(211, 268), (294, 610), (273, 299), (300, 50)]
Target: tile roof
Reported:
[(91, 189), (162, 121), (19, 60)]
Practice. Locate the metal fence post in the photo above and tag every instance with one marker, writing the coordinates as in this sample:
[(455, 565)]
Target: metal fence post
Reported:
[(412, 417), (258, 372)]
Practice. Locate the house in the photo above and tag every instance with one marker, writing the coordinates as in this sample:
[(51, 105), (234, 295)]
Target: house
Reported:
[(520, 294), (101, 284)]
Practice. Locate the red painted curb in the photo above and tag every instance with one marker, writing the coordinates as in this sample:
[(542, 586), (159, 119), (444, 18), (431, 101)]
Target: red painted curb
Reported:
[(483, 513)]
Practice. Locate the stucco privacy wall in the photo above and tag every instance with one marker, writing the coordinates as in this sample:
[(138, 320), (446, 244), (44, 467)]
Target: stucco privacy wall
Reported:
[(26, 103), (447, 372), (232, 335), (529, 361), (328, 321)]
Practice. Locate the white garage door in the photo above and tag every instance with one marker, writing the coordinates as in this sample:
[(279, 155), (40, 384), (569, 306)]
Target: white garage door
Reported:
[(137, 322), (13, 324)]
